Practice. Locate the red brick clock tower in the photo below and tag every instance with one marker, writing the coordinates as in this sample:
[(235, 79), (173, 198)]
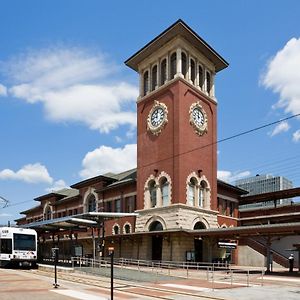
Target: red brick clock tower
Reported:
[(176, 132)]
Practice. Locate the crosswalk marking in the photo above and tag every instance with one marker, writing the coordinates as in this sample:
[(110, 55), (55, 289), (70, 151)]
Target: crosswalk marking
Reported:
[(281, 278), (185, 287), (79, 295)]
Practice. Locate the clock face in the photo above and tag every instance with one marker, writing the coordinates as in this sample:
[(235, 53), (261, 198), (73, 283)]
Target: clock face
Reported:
[(157, 118), (198, 118)]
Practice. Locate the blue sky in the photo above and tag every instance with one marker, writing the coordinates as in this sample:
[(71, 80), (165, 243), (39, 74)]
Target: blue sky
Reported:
[(67, 101)]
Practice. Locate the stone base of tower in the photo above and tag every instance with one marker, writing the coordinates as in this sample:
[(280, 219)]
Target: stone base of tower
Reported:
[(176, 247), (176, 216)]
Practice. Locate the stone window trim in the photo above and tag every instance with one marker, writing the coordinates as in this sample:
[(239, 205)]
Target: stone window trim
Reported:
[(157, 180), (154, 219), (207, 189), (154, 77), (146, 82), (116, 225), (160, 177), (46, 209), (124, 228), (87, 194), (182, 55), (202, 220)]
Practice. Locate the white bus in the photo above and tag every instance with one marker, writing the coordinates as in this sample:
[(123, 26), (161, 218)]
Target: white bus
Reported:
[(18, 247)]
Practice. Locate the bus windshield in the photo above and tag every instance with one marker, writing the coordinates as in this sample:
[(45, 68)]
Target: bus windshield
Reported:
[(24, 242)]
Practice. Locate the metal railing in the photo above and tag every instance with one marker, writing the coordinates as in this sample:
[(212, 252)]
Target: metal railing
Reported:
[(215, 273)]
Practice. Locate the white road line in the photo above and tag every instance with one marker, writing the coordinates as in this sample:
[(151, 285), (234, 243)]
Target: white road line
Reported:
[(235, 283), (78, 295), (279, 278), (185, 287)]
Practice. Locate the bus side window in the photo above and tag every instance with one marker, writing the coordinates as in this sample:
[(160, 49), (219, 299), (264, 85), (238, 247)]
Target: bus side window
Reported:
[(6, 246)]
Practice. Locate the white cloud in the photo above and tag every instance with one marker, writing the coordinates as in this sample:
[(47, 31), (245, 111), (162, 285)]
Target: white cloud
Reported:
[(296, 136), (231, 177), (73, 86), (57, 185), (281, 127), (282, 76), (106, 159), (4, 215), (31, 173), (3, 90)]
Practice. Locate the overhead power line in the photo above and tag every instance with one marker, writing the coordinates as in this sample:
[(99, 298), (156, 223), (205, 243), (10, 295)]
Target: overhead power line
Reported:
[(228, 138), (7, 204), (4, 201)]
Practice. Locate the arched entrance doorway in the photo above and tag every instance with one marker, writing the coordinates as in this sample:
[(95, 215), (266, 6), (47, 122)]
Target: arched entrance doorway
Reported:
[(198, 243), (157, 241)]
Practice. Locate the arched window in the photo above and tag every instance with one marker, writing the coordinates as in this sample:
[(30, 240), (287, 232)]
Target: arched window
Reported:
[(199, 225), (154, 78), (163, 72), (200, 77), (202, 190), (208, 82), (91, 203), (183, 64), (193, 71), (165, 191), (48, 213), (155, 226), (127, 228), (116, 229), (152, 191), (146, 83), (173, 65), (192, 191)]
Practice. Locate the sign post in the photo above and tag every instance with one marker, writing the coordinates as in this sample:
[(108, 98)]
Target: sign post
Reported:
[(111, 253), (55, 257)]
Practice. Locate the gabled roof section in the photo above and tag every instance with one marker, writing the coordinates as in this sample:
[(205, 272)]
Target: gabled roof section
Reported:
[(92, 180), (59, 194), (124, 178), (232, 187), (32, 209), (125, 175), (182, 29)]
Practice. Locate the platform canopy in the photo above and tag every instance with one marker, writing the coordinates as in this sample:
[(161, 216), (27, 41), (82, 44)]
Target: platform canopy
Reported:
[(283, 229), (80, 221), (270, 196)]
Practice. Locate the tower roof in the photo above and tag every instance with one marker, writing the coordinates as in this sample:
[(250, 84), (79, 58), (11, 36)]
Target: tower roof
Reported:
[(182, 29)]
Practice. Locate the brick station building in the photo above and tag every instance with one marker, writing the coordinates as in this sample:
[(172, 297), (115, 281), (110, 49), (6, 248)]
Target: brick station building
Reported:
[(181, 206)]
